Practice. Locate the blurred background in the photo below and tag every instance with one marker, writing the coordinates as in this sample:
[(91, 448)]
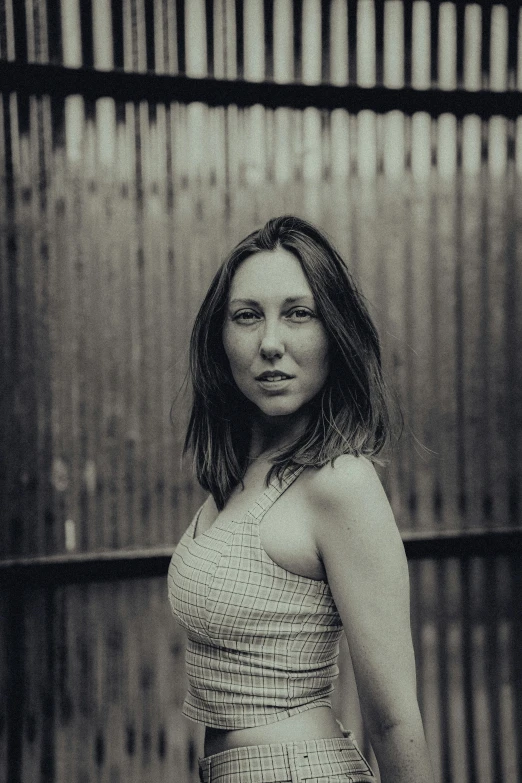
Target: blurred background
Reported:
[(139, 141)]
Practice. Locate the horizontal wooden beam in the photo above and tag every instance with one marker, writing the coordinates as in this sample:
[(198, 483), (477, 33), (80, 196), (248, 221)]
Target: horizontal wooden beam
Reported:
[(147, 563), (59, 81)]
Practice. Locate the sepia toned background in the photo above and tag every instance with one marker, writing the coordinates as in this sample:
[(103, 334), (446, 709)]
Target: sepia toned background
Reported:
[(139, 141)]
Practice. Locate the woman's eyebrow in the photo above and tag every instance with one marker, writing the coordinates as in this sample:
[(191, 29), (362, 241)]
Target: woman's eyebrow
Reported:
[(288, 300)]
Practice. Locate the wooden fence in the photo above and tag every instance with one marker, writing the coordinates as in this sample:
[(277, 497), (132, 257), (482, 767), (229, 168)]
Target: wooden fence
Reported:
[(139, 140)]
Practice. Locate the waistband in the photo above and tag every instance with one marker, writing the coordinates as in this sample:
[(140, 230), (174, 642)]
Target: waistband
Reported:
[(290, 762)]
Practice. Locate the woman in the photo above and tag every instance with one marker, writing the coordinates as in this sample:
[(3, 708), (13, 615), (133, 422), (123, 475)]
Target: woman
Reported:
[(296, 540)]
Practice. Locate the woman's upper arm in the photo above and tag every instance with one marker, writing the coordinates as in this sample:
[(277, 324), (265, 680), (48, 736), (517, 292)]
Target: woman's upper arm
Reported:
[(363, 555)]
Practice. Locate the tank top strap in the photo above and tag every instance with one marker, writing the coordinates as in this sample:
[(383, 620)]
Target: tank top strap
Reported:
[(274, 490)]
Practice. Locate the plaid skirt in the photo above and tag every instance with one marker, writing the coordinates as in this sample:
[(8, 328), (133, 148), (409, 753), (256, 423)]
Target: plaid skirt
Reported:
[(332, 760)]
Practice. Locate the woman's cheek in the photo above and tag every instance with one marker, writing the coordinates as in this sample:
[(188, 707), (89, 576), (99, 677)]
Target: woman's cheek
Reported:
[(238, 349)]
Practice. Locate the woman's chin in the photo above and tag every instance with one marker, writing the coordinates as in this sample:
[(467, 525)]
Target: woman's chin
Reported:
[(278, 409)]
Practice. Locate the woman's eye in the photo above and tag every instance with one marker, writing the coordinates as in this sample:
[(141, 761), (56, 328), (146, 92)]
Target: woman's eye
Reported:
[(246, 316), (300, 314)]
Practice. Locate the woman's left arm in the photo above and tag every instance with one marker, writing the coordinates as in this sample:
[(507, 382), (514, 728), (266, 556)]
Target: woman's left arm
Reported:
[(362, 551)]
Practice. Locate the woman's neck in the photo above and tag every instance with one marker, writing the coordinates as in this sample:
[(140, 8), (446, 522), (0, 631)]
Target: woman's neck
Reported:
[(271, 434)]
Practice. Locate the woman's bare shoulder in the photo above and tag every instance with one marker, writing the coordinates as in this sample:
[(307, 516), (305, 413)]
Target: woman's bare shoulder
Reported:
[(349, 493), (340, 479)]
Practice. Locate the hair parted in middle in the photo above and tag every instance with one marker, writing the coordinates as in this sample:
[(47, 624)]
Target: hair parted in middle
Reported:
[(352, 412)]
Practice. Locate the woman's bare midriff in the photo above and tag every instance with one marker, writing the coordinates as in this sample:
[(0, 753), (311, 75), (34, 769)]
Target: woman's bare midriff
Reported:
[(315, 723)]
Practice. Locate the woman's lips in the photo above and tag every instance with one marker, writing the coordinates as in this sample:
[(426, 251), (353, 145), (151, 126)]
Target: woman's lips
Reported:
[(275, 383)]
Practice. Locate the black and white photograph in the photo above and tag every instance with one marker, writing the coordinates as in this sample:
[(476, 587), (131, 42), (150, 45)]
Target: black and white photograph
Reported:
[(261, 391)]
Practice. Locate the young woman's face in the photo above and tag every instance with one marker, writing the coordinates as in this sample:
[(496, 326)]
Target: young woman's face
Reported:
[(276, 345)]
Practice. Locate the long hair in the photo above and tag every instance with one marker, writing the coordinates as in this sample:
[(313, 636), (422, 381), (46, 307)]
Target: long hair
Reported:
[(350, 415)]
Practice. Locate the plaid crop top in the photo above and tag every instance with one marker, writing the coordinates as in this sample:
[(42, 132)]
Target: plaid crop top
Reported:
[(262, 642)]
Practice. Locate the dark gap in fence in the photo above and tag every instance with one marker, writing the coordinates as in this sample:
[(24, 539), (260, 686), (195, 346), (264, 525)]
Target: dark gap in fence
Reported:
[(352, 43), (269, 38), (209, 32), (54, 32), (408, 36), (87, 33), (325, 40), (180, 31), (516, 655), (240, 39), (117, 32), (47, 759), (460, 11), (149, 34), (298, 39), (379, 41), (20, 32)]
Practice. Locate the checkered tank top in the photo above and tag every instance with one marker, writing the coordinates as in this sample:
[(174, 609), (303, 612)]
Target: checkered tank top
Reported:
[(262, 642)]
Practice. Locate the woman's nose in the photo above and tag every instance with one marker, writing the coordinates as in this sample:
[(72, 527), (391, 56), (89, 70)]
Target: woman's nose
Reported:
[(272, 344)]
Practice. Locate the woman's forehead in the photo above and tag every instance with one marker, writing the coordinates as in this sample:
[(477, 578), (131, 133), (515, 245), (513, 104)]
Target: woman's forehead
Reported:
[(270, 274)]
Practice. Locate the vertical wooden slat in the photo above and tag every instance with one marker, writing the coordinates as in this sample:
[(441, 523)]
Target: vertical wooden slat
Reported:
[(481, 712), (340, 159), (497, 507), (497, 141), (10, 49), (518, 125), (447, 80), (471, 125), (393, 304), (30, 31), (447, 329), (50, 522), (165, 36), (421, 409), (195, 38), (219, 39), (458, 750), (421, 79), (472, 374), (284, 119), (253, 38), (394, 78), (366, 69), (72, 57), (254, 70), (104, 60), (510, 738), (311, 74)]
